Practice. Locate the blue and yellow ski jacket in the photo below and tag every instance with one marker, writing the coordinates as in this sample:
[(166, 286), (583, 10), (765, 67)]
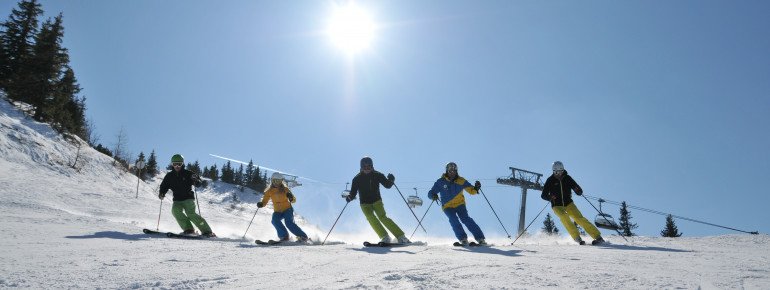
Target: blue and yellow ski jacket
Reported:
[(450, 192)]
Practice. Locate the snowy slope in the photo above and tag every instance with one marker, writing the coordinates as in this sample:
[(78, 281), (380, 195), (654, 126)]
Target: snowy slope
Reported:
[(70, 228)]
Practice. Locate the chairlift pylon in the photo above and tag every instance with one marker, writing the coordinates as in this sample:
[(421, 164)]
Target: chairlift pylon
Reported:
[(605, 221)]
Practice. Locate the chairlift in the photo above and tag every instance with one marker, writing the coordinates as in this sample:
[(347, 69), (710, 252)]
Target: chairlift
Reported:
[(414, 200), (291, 180), (346, 192), (605, 221)]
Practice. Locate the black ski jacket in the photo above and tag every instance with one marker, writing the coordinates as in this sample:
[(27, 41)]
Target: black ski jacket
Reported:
[(369, 186), (180, 183), (561, 188)]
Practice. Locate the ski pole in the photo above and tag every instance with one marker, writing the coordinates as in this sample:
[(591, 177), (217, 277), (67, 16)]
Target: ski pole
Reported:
[(601, 213), (493, 211), (530, 223), (157, 227), (252, 220), (335, 223), (419, 224), (423, 217), (198, 203)]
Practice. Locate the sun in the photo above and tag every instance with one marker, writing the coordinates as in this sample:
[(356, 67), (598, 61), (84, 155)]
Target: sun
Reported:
[(351, 28)]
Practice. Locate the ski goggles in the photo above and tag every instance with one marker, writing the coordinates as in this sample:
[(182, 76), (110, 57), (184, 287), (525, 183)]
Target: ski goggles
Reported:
[(177, 163)]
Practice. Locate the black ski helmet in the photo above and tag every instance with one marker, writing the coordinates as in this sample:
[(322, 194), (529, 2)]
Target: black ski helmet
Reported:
[(367, 161), (451, 165)]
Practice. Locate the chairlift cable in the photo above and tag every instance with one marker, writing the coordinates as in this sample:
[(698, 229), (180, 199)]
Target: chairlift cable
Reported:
[(672, 215)]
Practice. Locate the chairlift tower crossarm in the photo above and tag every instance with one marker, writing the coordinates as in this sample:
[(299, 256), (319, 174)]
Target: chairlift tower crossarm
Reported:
[(526, 180)]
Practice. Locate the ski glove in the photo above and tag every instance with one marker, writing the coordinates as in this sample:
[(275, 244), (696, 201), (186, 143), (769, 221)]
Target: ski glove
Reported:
[(434, 196), (161, 196), (579, 192), (477, 186), (349, 198), (391, 178), (291, 197), (260, 205)]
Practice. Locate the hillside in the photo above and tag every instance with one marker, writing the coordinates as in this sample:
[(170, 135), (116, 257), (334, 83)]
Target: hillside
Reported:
[(78, 224)]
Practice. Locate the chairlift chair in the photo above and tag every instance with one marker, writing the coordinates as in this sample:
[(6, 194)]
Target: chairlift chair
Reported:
[(605, 221), (291, 181), (414, 201), (346, 192)]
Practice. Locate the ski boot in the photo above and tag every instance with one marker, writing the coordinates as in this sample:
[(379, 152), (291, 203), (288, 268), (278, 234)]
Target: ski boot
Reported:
[(597, 241), (209, 235), (580, 241), (482, 242), (403, 240), (190, 232), (386, 240)]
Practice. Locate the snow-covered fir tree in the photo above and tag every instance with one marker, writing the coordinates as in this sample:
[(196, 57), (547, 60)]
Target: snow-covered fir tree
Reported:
[(549, 227), (625, 221), (670, 230)]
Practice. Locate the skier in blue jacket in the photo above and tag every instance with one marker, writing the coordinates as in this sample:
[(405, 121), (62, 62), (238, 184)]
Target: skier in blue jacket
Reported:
[(449, 190)]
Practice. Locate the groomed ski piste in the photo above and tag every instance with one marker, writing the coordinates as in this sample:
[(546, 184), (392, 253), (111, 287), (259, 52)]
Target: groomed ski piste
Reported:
[(81, 227)]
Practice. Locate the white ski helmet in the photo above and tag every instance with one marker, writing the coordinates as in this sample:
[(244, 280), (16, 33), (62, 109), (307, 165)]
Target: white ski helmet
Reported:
[(276, 176), (557, 165)]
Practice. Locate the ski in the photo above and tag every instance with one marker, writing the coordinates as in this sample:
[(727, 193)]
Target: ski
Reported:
[(187, 237), (269, 242), (471, 244), (151, 232), (384, 245)]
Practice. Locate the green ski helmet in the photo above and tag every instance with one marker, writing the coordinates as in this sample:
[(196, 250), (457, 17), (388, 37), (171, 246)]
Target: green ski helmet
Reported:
[(177, 158)]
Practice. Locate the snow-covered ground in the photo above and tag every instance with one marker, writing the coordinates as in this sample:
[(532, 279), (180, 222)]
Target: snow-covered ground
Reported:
[(80, 227)]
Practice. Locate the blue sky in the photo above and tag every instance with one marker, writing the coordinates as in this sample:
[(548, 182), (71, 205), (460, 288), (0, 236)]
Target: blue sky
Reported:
[(661, 104)]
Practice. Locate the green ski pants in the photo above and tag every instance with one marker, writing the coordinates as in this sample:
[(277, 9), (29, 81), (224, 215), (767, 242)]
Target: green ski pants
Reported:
[(184, 213), (378, 209)]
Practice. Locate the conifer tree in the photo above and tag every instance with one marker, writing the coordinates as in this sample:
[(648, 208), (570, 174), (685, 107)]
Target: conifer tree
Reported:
[(18, 35), (238, 176), (549, 227), (227, 173), (670, 231), (249, 176), (152, 164), (625, 221), (214, 172), (49, 60)]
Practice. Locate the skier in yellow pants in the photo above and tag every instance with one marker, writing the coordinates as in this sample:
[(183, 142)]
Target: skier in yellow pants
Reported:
[(367, 183), (558, 189)]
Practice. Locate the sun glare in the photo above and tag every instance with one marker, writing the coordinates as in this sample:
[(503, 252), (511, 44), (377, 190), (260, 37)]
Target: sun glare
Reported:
[(351, 28)]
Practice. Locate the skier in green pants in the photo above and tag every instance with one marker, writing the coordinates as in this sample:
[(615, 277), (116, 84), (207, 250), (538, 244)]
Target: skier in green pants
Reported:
[(367, 182), (180, 181)]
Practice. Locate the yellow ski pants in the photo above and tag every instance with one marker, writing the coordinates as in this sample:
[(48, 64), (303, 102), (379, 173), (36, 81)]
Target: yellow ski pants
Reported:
[(565, 212)]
